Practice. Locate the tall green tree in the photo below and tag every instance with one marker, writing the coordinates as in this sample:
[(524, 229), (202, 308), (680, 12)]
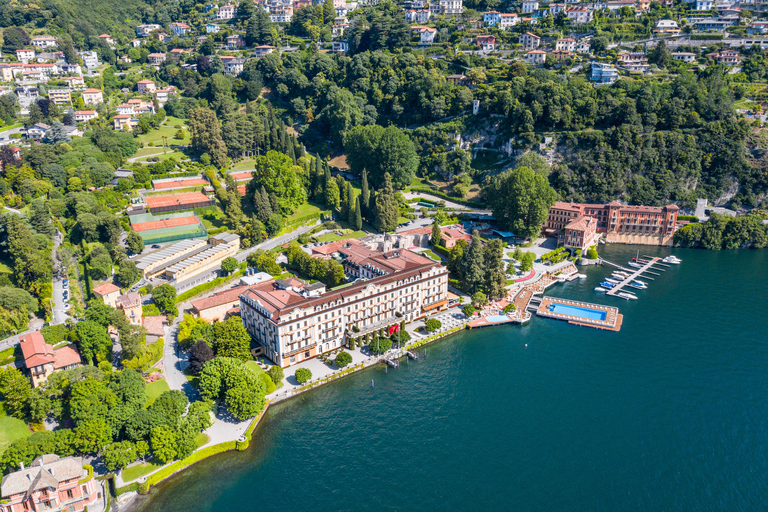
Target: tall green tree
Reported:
[(260, 30), (495, 271), (520, 200), (382, 150), (206, 135), (366, 194), (473, 264), (358, 225), (435, 239), (386, 207)]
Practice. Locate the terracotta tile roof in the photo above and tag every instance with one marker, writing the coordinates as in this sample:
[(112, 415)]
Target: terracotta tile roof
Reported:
[(154, 325), (218, 299), (66, 356), (130, 300), (106, 288)]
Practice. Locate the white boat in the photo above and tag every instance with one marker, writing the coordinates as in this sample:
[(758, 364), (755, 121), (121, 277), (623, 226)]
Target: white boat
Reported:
[(600, 289), (640, 284), (626, 296), (672, 259), (635, 265), (619, 276), (636, 286), (620, 273), (581, 276), (613, 281)]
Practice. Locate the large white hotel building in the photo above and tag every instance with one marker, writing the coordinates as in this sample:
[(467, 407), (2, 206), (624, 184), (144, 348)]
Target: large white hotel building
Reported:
[(294, 321)]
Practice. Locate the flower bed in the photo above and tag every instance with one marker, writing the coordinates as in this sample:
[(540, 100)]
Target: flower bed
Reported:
[(529, 276)]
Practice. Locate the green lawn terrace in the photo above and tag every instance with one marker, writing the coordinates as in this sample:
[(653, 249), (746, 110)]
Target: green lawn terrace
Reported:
[(169, 227)]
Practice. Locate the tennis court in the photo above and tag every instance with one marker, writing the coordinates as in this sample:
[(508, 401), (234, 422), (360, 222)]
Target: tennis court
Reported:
[(164, 224), (241, 189), (180, 183), (185, 201), (169, 227), (240, 176)]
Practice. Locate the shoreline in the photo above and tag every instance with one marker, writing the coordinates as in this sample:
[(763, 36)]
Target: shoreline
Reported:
[(146, 483)]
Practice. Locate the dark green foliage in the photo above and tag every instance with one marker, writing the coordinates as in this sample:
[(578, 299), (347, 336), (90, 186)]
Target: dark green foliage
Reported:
[(723, 232), (380, 151), (276, 374), (432, 324), (379, 345), (343, 359), (303, 375)]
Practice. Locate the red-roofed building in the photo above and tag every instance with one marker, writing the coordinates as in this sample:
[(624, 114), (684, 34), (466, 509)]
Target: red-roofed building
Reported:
[(108, 293), (217, 307), (93, 96), (452, 234), (145, 86), (130, 303), (647, 225), (42, 360), (155, 326)]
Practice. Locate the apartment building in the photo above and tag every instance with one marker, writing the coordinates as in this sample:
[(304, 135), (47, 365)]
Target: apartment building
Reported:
[(536, 57), (90, 59), (146, 30), (44, 41), (226, 12), (25, 55), (603, 73), (234, 67), (51, 483), (529, 7), (566, 44), (93, 96), (60, 96), (155, 59), (579, 14), (235, 41), (83, 116), (529, 41), (649, 225), (294, 321), (450, 7)]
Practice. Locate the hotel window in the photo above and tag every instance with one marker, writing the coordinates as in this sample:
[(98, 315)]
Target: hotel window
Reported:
[(70, 495), (85, 491)]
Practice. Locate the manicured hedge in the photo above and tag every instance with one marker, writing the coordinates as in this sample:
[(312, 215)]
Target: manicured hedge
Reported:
[(162, 474), (437, 193)]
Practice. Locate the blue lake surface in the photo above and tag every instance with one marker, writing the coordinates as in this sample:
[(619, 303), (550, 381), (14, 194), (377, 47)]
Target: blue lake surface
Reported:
[(669, 414)]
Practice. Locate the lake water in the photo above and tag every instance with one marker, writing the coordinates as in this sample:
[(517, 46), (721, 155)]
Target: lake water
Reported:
[(667, 415)]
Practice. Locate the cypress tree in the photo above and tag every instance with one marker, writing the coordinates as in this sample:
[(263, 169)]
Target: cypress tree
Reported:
[(436, 238), (299, 148), (366, 193), (350, 204), (312, 177), (472, 263), (273, 203), (291, 153), (263, 206), (358, 216), (386, 206)]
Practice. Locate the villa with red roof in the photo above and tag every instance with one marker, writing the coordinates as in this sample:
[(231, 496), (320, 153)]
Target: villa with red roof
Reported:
[(219, 306), (452, 234), (145, 86), (108, 293), (645, 225), (41, 359)]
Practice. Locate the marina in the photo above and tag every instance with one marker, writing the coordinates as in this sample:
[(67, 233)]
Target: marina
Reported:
[(639, 268)]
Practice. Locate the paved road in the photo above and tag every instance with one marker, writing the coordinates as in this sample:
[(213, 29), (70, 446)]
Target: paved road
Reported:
[(6, 135), (59, 274), (448, 203)]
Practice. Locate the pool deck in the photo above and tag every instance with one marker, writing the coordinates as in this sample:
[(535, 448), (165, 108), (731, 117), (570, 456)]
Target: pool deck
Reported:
[(612, 322)]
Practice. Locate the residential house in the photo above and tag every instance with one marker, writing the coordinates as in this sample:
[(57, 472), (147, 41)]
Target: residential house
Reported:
[(37, 131), (339, 47), (566, 44), (298, 4), (125, 59), (617, 5), (209, 7), (25, 55), (226, 12), (93, 96), (491, 18), (108, 293), (219, 306), (52, 483), (130, 303), (46, 69), (163, 94), (155, 59), (338, 30), (90, 59), (124, 109), (554, 9), (757, 27), (460, 80), (281, 14), (419, 16), (41, 359), (452, 234), (604, 73), (703, 5), (486, 42), (211, 28), (145, 86), (83, 116), (666, 27), (529, 6), (536, 57), (450, 7), (60, 96), (235, 41), (107, 39), (124, 122), (529, 41), (643, 5), (579, 14), (234, 67), (155, 326), (508, 20), (8, 71), (71, 69), (146, 30), (179, 29), (583, 46), (561, 55), (427, 35), (43, 41), (688, 57), (729, 57)]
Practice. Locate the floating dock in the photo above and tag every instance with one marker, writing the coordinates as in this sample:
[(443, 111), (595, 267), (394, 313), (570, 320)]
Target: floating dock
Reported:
[(581, 313), (635, 273)]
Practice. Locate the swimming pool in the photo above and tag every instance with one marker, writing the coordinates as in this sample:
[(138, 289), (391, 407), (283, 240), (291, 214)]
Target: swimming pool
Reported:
[(591, 314), (497, 318)]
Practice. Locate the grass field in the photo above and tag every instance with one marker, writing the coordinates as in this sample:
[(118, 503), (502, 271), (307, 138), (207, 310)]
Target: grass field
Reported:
[(332, 237), (254, 367), (429, 254), (304, 210), (166, 130), (139, 470), (155, 389), (178, 155), (244, 165), (11, 429)]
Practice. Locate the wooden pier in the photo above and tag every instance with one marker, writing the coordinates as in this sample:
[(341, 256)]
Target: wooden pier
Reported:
[(636, 272)]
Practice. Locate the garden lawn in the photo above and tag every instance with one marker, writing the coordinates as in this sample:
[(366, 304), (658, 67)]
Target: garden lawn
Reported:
[(303, 211), (178, 155), (155, 389), (139, 470), (244, 165), (201, 439), (431, 255), (254, 367), (11, 429), (332, 237), (166, 130)]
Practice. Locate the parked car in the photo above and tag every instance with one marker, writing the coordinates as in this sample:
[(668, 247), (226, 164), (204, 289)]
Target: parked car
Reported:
[(155, 246)]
